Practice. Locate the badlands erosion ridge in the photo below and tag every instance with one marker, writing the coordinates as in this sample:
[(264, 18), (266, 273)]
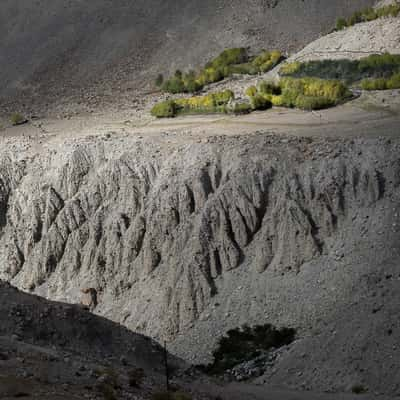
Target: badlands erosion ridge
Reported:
[(242, 209)]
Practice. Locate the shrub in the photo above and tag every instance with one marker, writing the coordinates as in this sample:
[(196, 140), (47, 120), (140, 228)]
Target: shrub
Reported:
[(394, 81), (267, 60), (174, 85), (382, 83), (17, 119), (241, 69), (309, 93), (243, 344), (165, 109), (374, 84), (229, 62), (230, 57), (211, 103), (251, 91), (170, 396), (312, 103), (290, 68), (349, 71), (159, 80), (269, 87), (241, 108), (259, 102), (341, 23), (369, 14)]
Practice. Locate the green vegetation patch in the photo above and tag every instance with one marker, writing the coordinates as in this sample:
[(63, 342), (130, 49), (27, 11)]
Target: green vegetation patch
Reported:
[(243, 344), (368, 14), (375, 66), (304, 93), (211, 103), (229, 62), (17, 119), (382, 83)]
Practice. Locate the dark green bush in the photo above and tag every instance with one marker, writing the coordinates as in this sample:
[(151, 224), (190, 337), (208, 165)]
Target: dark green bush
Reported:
[(240, 69), (267, 60), (165, 109), (174, 85), (382, 83), (242, 108), (230, 57), (159, 80), (240, 345), (268, 87), (349, 71), (312, 103), (369, 14), (341, 23), (259, 102)]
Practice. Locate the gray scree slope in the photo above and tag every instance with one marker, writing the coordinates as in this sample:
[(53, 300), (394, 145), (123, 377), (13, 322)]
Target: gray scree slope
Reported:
[(185, 243)]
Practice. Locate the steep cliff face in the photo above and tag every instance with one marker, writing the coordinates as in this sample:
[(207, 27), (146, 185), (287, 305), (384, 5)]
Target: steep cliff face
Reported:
[(182, 243), (55, 49)]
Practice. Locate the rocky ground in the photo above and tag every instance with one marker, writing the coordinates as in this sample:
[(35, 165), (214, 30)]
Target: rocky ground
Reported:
[(59, 351)]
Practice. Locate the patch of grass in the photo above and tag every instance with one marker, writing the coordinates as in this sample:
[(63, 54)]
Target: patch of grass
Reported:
[(229, 62), (349, 71), (368, 14), (17, 119), (243, 344)]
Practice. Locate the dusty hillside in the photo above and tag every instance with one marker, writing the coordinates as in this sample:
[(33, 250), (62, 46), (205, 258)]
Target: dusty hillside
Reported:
[(52, 50), (185, 241)]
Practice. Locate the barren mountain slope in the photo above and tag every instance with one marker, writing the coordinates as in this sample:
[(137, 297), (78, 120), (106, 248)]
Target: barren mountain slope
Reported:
[(52, 49), (185, 241)]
